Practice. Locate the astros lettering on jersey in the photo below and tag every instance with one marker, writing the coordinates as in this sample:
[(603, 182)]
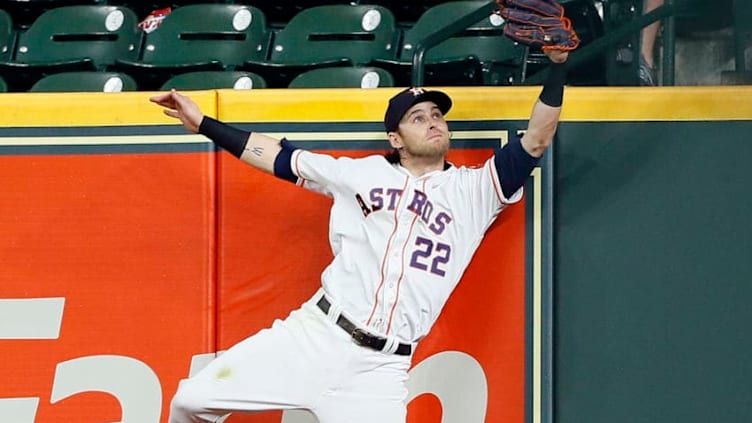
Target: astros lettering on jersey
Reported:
[(408, 239)]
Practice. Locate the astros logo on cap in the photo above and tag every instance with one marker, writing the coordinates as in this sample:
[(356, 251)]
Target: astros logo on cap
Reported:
[(417, 91)]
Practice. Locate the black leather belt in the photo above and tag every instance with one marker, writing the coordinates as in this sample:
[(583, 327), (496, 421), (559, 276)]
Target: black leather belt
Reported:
[(361, 337)]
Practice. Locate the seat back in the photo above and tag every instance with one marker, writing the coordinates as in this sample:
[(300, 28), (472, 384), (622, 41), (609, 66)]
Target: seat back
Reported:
[(200, 33), (360, 33), (85, 82), (25, 12), (484, 39), (344, 77), (7, 35), (406, 12), (279, 13), (144, 8), (207, 80), (102, 34)]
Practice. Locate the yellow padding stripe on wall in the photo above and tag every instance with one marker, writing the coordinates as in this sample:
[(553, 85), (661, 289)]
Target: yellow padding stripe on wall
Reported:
[(658, 103), (490, 103), (90, 109), (360, 105)]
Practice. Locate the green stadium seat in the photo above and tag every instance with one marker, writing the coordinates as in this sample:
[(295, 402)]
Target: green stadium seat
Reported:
[(344, 77), (199, 37), (87, 81), (207, 80), (143, 8), (72, 38), (3, 86), (327, 36), (479, 55), (7, 35), (24, 12), (279, 13), (407, 12)]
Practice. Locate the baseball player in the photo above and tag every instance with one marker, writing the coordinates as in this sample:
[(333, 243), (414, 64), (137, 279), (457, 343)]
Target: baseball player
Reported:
[(404, 226)]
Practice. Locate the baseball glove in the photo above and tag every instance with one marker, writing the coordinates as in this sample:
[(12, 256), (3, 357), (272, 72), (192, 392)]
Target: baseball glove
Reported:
[(538, 23)]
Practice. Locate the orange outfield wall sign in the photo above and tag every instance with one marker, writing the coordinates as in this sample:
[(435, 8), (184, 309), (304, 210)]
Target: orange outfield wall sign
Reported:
[(130, 253), (106, 283)]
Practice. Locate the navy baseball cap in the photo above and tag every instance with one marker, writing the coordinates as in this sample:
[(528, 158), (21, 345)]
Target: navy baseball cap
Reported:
[(407, 98)]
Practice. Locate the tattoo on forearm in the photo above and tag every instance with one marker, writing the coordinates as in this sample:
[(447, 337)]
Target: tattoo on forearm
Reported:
[(256, 150)]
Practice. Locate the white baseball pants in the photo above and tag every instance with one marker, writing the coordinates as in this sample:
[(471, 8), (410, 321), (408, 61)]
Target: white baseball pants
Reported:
[(302, 362)]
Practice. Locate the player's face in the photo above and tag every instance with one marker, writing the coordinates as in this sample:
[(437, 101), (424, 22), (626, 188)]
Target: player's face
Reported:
[(423, 132)]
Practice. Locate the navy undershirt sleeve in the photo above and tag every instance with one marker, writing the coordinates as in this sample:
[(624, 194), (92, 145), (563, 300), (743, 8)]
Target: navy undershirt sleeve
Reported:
[(282, 163), (513, 164)]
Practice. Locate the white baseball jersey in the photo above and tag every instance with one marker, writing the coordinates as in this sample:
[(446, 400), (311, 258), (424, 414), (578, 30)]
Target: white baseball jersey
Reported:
[(400, 243)]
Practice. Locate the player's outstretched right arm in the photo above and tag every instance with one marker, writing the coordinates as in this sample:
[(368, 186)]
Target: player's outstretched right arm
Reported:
[(546, 111), (256, 149)]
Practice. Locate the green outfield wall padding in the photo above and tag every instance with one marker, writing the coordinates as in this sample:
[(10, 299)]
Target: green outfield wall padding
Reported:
[(653, 272)]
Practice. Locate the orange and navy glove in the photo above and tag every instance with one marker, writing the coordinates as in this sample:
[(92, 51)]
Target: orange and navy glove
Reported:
[(539, 24)]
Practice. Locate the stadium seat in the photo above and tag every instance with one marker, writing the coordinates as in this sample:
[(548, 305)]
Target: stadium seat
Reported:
[(279, 13), (87, 81), (7, 35), (480, 55), (407, 12), (199, 37), (72, 38), (3, 86), (207, 80), (344, 77), (326, 36), (24, 12), (144, 8)]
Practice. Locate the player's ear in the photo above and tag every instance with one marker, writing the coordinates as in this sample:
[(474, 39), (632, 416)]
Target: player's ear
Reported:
[(395, 140)]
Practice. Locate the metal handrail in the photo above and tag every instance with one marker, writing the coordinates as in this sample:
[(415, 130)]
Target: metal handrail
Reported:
[(442, 34)]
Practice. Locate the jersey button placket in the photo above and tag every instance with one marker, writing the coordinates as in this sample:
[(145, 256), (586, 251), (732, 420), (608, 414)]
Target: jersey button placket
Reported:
[(396, 263)]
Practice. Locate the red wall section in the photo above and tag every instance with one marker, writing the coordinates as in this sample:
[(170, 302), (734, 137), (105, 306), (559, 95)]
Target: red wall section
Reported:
[(128, 240)]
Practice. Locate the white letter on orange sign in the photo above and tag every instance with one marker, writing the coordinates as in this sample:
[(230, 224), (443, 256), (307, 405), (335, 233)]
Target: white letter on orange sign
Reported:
[(457, 380), (131, 382)]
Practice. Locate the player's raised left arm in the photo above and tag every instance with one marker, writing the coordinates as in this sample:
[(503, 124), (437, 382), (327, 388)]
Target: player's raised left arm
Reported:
[(546, 111), (258, 150)]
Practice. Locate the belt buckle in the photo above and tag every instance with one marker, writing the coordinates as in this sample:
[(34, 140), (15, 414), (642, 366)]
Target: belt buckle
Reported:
[(360, 337)]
